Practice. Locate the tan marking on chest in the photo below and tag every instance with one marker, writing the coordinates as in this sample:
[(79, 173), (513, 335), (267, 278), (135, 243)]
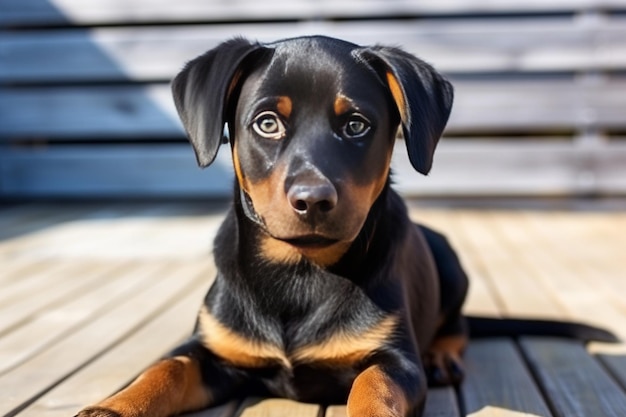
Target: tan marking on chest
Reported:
[(344, 348), (341, 348), (236, 348)]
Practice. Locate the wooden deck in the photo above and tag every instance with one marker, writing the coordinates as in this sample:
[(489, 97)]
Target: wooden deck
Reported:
[(91, 294)]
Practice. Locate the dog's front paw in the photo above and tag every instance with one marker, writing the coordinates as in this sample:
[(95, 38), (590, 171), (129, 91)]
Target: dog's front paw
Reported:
[(97, 412)]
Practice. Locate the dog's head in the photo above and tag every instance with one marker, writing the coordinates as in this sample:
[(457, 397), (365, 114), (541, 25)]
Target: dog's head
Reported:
[(311, 122)]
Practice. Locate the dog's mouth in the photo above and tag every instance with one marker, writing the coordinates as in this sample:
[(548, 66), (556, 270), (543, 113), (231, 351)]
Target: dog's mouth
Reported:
[(311, 241)]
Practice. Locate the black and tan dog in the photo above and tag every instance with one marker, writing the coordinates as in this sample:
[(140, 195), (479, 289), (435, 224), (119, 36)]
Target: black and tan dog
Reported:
[(326, 291)]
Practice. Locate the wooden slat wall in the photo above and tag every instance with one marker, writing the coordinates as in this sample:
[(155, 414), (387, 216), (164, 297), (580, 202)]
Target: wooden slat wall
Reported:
[(111, 11), (85, 107)]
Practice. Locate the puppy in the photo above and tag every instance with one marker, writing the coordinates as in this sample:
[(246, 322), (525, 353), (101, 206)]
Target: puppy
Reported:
[(325, 292)]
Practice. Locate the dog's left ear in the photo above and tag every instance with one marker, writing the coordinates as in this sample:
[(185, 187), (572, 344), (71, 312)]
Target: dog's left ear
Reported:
[(424, 99), (202, 91)]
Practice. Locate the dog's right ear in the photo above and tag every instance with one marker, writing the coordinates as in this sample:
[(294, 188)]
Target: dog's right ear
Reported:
[(423, 97), (202, 91)]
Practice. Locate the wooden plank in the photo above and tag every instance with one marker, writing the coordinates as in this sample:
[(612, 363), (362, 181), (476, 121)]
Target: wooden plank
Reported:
[(32, 12), (120, 225), (557, 276), (225, 410), (38, 277), (276, 407), (570, 258), (29, 219), (14, 276), (149, 238), (43, 371), (52, 324), (521, 295), (577, 258), (470, 167), (138, 232), (616, 365), (336, 411), (521, 277), (462, 167), (497, 382), (568, 265), (574, 382), (608, 168), (111, 371), (440, 402), (148, 111), (114, 170), (526, 105), (33, 236), (92, 112), (23, 309), (453, 46)]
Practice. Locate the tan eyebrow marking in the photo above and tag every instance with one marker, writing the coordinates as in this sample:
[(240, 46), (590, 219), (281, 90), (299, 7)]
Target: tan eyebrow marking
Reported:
[(342, 105), (284, 106)]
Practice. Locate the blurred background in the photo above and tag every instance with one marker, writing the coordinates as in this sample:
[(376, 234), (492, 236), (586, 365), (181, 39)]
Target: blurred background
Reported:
[(86, 112)]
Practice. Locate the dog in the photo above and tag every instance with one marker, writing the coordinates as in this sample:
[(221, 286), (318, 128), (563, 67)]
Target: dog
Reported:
[(326, 292)]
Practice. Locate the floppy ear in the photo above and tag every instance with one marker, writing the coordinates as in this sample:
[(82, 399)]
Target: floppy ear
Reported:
[(423, 96), (201, 92)]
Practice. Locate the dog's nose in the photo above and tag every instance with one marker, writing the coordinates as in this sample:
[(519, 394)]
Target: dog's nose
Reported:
[(309, 199)]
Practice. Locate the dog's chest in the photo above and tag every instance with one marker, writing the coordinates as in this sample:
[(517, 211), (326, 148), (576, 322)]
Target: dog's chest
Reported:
[(327, 323), (299, 332), (306, 342), (306, 368)]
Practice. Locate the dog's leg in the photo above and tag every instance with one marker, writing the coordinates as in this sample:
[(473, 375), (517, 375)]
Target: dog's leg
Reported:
[(167, 388), (442, 361), (379, 392)]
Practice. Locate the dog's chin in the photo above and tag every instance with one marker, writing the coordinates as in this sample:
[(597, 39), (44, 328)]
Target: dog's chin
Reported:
[(323, 243), (310, 241), (317, 248)]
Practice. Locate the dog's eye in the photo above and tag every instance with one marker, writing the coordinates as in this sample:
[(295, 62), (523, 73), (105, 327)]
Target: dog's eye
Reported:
[(269, 125), (356, 126)]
